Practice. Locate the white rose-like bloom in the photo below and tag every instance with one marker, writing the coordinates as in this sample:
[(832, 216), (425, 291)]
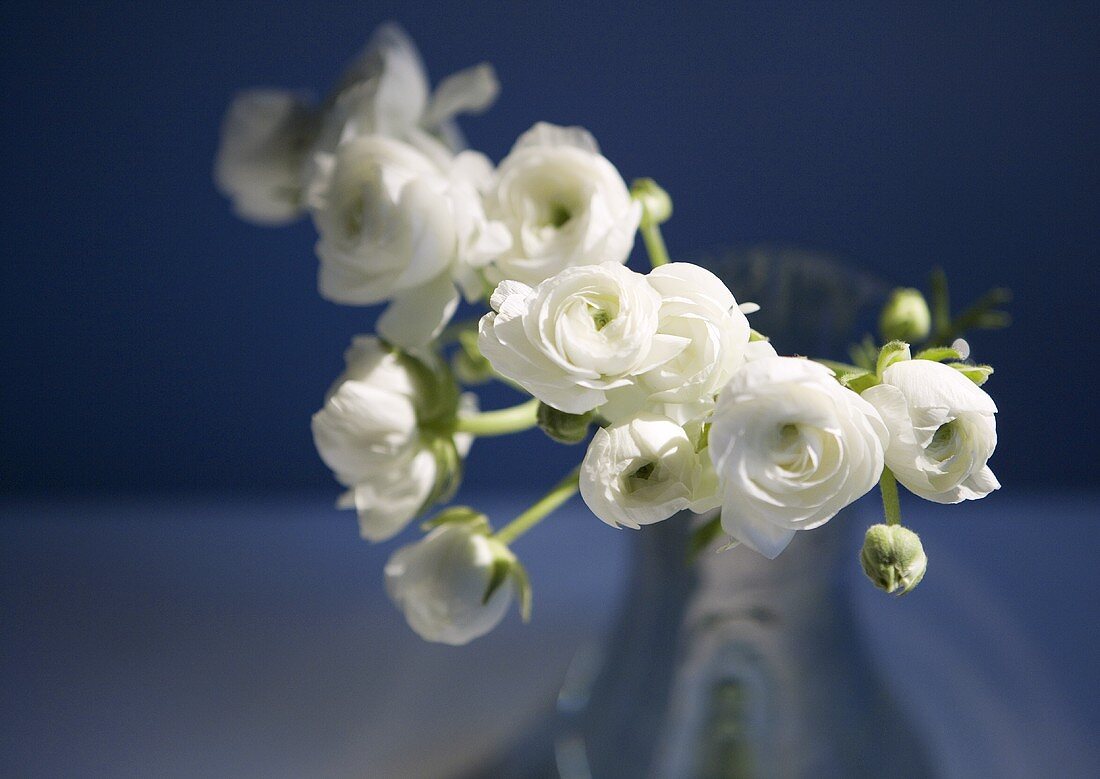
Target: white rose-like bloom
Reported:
[(792, 448), (394, 225), (564, 204), (942, 430), (386, 92), (369, 435), (644, 471), (577, 335), (265, 136), (440, 581), (697, 307)]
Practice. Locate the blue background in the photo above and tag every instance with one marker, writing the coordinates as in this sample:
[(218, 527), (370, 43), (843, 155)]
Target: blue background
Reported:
[(151, 341)]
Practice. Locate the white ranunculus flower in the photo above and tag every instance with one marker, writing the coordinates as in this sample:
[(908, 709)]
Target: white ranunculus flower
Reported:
[(697, 307), (265, 137), (369, 433), (645, 470), (440, 581), (576, 335), (564, 204), (394, 225), (792, 448), (386, 92), (942, 430)]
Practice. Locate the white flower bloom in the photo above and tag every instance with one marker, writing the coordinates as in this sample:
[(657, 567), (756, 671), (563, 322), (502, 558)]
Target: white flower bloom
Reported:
[(396, 226), (369, 433), (942, 430), (439, 583), (791, 448), (577, 335), (265, 137), (386, 92), (564, 204), (698, 308), (645, 470)]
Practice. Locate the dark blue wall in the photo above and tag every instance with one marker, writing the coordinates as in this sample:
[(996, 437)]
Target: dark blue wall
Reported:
[(152, 341)]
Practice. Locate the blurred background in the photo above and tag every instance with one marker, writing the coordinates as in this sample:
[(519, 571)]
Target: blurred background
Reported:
[(162, 358)]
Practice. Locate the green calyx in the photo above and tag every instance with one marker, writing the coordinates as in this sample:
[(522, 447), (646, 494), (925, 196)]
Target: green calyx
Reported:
[(563, 427)]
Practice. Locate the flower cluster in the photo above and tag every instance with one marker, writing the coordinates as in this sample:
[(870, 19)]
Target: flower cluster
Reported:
[(693, 409)]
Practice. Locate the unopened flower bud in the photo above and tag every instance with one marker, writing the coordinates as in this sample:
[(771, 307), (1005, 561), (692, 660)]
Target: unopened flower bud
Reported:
[(562, 427), (656, 204), (906, 316), (893, 558)]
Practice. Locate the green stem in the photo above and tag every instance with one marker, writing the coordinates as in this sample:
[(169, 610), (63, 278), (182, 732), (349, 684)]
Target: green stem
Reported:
[(501, 422), (561, 492), (891, 505), (452, 332), (654, 245)]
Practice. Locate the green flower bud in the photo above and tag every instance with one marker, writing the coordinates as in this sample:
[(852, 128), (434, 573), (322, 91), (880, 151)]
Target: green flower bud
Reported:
[(906, 316), (562, 427), (893, 558), (656, 204)]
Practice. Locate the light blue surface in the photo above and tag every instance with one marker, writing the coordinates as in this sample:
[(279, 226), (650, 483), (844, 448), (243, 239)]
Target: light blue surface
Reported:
[(240, 637)]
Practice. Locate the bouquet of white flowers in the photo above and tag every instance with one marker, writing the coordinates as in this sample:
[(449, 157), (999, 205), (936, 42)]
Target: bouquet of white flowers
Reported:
[(692, 409)]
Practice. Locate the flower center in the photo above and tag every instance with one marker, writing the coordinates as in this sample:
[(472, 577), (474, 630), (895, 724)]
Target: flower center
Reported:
[(640, 477), (942, 445), (558, 215), (600, 317)]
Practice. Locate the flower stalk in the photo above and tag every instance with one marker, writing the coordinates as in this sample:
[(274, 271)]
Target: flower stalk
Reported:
[(559, 494), (513, 419), (654, 244), (891, 504)]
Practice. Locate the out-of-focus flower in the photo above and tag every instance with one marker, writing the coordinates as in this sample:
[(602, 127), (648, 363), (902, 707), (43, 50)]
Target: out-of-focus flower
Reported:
[(383, 431), (564, 204), (265, 138), (441, 581), (396, 226)]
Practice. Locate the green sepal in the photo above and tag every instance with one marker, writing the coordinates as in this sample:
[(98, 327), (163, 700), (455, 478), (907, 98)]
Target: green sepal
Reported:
[(468, 363), (703, 536), (979, 374), (563, 427), (499, 573), (757, 336), (865, 353), (859, 381), (458, 515), (437, 393), (938, 354), (448, 474), (895, 351), (523, 589)]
